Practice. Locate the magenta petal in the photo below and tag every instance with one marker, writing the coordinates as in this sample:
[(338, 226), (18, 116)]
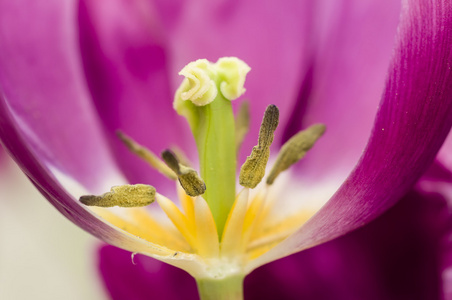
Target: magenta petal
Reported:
[(3, 157), (126, 64), (445, 154), (414, 118), (438, 172), (344, 84), (143, 279), (43, 85)]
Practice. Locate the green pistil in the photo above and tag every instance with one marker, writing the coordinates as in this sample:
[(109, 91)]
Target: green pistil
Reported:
[(208, 110), (216, 149)]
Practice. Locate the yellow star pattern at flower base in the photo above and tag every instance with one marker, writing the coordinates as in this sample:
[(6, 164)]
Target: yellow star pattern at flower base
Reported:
[(249, 232)]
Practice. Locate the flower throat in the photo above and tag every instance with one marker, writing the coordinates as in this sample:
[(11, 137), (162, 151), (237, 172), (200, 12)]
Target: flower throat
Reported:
[(204, 99)]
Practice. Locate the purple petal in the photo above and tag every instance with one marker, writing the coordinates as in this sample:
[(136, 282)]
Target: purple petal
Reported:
[(126, 64), (42, 85), (438, 172), (444, 156), (144, 278), (3, 157), (343, 87), (110, 37), (412, 123), (334, 55)]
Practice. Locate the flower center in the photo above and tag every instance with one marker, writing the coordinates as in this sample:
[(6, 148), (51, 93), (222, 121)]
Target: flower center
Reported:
[(214, 221)]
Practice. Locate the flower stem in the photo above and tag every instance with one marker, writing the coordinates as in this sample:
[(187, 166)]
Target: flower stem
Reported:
[(229, 288)]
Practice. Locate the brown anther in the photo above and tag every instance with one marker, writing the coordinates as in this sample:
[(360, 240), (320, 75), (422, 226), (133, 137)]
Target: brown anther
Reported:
[(253, 170), (188, 178), (137, 195)]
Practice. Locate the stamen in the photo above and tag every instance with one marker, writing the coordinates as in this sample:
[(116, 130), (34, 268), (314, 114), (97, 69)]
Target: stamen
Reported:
[(123, 196), (242, 124), (147, 155), (188, 178), (295, 149), (253, 170)]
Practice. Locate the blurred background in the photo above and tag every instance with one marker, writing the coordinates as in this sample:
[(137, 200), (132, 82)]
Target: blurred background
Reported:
[(42, 254)]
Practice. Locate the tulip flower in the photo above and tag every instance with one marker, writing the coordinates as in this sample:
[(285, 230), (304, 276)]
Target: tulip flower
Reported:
[(74, 73)]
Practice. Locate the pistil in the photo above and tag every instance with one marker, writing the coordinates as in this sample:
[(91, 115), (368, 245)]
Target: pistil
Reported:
[(204, 98)]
